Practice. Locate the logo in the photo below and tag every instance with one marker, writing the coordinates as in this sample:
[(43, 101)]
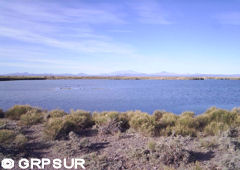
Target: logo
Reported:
[(7, 163), (33, 163)]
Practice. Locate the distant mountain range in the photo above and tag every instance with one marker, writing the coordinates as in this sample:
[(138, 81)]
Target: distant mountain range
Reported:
[(126, 73)]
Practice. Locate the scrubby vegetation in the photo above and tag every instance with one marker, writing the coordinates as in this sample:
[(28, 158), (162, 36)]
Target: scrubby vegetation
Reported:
[(57, 113), (11, 140), (59, 127), (17, 111), (161, 123), (131, 139), (32, 117)]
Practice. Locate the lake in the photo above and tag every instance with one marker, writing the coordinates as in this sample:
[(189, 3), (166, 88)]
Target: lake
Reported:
[(122, 95)]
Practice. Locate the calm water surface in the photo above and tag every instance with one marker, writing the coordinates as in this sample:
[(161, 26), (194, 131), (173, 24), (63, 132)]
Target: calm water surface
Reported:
[(122, 95)]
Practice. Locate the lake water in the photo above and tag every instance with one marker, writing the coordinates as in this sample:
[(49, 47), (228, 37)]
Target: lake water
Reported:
[(122, 95)]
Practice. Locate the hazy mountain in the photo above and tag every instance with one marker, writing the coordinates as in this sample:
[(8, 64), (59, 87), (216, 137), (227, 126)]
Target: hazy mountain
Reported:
[(44, 74), (125, 73)]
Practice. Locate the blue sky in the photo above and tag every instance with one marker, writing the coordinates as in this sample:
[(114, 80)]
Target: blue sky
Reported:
[(93, 36)]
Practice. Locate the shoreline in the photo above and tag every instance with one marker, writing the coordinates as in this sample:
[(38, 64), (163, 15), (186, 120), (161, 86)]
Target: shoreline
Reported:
[(13, 78)]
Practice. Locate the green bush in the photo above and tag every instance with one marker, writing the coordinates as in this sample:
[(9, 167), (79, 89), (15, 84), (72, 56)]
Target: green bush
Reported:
[(152, 145), (142, 122), (237, 121), (57, 113), (9, 139), (32, 117), (16, 111), (20, 141), (104, 117), (188, 113), (187, 120), (158, 114), (6, 136), (220, 115), (202, 121), (215, 128), (53, 127), (168, 119), (82, 119), (59, 127)]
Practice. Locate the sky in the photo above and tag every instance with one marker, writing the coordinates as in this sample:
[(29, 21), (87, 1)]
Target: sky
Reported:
[(102, 36)]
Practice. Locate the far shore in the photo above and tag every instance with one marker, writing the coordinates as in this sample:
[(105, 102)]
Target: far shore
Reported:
[(12, 78)]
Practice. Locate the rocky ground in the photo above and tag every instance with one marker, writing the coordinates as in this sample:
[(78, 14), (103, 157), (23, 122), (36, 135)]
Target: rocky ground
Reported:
[(107, 148)]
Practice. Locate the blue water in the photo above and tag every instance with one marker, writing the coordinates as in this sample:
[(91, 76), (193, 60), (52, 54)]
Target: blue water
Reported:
[(122, 95)]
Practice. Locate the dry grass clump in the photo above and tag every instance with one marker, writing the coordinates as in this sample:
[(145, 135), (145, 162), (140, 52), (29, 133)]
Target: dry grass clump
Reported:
[(111, 122), (142, 122), (57, 113), (164, 126), (2, 123), (103, 118), (16, 111), (9, 139), (152, 146), (219, 120), (213, 122), (209, 143), (32, 117), (215, 128), (186, 125), (59, 127)]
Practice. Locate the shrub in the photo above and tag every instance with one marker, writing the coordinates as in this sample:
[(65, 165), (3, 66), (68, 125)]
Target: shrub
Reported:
[(143, 122), (208, 143), (237, 121), (202, 121), (158, 114), (9, 139), (6, 136), (124, 121), (57, 113), (59, 127), (220, 115), (186, 125), (2, 123), (20, 141), (104, 117), (169, 119), (16, 111), (188, 113), (32, 117), (215, 128), (53, 127), (184, 131), (151, 145), (187, 120), (80, 118)]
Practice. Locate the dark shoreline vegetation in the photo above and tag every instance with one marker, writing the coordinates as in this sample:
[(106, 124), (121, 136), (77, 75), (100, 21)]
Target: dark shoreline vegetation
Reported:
[(12, 78), (164, 136)]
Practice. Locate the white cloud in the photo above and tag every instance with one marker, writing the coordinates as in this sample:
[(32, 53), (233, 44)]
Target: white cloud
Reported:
[(55, 25), (54, 28), (150, 12)]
